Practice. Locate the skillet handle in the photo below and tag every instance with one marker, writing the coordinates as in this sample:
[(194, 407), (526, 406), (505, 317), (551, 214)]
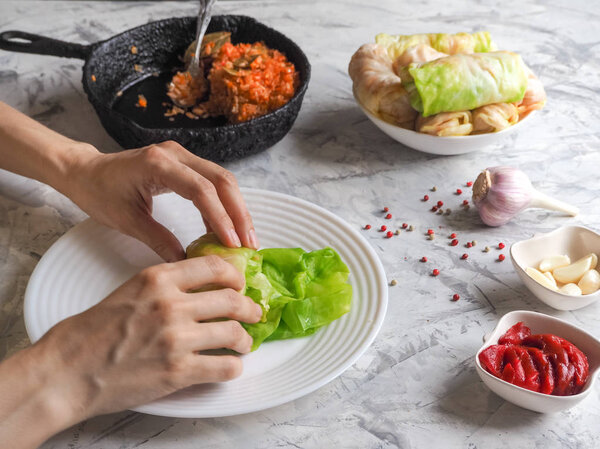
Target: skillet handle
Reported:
[(22, 42)]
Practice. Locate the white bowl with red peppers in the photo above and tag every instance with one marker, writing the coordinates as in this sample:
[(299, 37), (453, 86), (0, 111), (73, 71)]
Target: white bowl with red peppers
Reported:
[(570, 243), (540, 325)]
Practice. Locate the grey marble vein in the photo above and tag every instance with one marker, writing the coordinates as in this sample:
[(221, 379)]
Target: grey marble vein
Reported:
[(416, 386)]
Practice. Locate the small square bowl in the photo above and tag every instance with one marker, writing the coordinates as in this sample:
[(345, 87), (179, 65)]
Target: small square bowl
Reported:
[(541, 324), (575, 241)]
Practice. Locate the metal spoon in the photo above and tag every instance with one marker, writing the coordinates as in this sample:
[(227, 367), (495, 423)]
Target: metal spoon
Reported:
[(204, 15)]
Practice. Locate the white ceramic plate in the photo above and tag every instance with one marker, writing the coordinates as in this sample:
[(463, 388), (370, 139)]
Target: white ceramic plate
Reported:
[(575, 241), (541, 324), (90, 260), (445, 146)]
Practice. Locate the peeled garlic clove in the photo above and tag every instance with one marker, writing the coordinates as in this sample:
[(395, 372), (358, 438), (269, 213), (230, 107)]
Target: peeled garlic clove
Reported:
[(590, 282), (570, 289), (573, 272), (540, 278), (550, 278), (552, 262), (594, 260)]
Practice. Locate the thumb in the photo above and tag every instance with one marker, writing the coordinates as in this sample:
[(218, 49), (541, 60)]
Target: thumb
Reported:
[(160, 239)]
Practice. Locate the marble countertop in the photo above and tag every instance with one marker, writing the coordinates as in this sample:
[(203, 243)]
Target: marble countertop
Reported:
[(416, 386)]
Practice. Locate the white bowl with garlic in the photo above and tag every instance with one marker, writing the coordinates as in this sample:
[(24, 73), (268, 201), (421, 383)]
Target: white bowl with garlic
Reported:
[(561, 267)]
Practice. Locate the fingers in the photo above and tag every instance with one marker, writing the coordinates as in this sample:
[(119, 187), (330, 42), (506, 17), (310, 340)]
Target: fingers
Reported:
[(159, 238), (194, 273), (214, 368), (225, 303), (217, 335), (227, 190)]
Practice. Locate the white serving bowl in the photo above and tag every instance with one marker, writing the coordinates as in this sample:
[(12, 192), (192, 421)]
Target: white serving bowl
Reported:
[(445, 146), (541, 324), (575, 241)]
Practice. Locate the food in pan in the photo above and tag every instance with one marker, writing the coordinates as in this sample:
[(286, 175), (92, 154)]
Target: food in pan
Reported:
[(444, 84), (241, 81), (544, 363), (299, 291)]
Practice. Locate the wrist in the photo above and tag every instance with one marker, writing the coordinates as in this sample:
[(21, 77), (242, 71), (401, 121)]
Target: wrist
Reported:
[(32, 407), (68, 165)]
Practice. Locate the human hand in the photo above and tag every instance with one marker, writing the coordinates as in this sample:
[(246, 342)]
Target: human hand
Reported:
[(142, 341), (117, 189)]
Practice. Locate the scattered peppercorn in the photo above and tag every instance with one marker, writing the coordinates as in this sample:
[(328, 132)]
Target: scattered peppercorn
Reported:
[(397, 231), (465, 202), (458, 192), (368, 226), (431, 236), (501, 245), (501, 257), (440, 203), (454, 242), (486, 249), (430, 231), (440, 212), (426, 198), (435, 272), (434, 189), (455, 297), (389, 234), (453, 235), (411, 228), (404, 225), (388, 216), (434, 209), (383, 228), (423, 259), (393, 282), (469, 183), (474, 242), (469, 244), (386, 209), (464, 256)]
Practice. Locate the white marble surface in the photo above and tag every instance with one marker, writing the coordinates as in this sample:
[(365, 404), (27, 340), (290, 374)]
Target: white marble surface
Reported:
[(416, 386)]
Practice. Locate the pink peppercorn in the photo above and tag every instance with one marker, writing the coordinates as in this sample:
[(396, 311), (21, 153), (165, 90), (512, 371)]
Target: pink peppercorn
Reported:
[(440, 203), (454, 242), (388, 216), (426, 198), (383, 228), (458, 191), (469, 244), (464, 256), (389, 234), (469, 183), (423, 259), (386, 209), (453, 235), (501, 245), (501, 257), (430, 231), (435, 272), (465, 202), (455, 297), (368, 226), (404, 225)]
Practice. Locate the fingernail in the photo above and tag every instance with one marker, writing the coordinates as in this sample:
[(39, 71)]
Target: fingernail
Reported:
[(234, 238), (252, 239), (259, 311)]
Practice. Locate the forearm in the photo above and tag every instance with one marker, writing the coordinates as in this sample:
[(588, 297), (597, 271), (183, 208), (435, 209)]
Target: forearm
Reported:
[(31, 409), (32, 150)]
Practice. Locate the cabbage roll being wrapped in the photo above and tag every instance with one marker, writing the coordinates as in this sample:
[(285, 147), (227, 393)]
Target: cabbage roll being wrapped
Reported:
[(451, 44), (445, 124), (466, 81), (494, 117), (378, 88), (534, 98), (416, 53)]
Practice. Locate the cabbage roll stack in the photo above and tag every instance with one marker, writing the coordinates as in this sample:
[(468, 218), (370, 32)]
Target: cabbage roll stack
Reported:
[(451, 44), (464, 82)]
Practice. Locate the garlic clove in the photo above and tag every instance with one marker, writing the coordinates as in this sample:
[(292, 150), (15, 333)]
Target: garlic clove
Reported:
[(550, 278), (574, 271), (590, 282), (570, 289), (552, 262), (540, 278), (594, 261)]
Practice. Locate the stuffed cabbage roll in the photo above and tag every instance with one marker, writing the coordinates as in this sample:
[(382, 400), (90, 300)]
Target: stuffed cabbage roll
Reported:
[(416, 53), (534, 98), (494, 117), (378, 88), (466, 81), (451, 44), (446, 124)]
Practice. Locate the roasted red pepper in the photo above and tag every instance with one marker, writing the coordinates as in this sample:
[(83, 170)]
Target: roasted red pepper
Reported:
[(544, 363)]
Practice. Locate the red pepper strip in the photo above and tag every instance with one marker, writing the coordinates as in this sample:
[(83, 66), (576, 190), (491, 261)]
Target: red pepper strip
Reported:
[(532, 375), (491, 359), (513, 372), (515, 335), (552, 347), (580, 363), (545, 369)]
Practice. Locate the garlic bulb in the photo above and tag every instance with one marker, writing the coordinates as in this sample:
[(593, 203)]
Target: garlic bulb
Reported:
[(500, 193)]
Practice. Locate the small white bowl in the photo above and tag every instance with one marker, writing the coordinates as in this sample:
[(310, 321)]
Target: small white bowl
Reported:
[(445, 146), (575, 241), (541, 324)]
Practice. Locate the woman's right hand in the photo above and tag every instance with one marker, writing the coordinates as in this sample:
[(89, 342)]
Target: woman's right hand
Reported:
[(142, 341)]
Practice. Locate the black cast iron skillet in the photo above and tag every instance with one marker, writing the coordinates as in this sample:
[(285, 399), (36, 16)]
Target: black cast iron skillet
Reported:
[(114, 76)]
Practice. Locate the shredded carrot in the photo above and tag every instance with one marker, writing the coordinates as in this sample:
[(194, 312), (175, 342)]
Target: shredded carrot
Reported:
[(134, 50), (94, 78), (142, 102)]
